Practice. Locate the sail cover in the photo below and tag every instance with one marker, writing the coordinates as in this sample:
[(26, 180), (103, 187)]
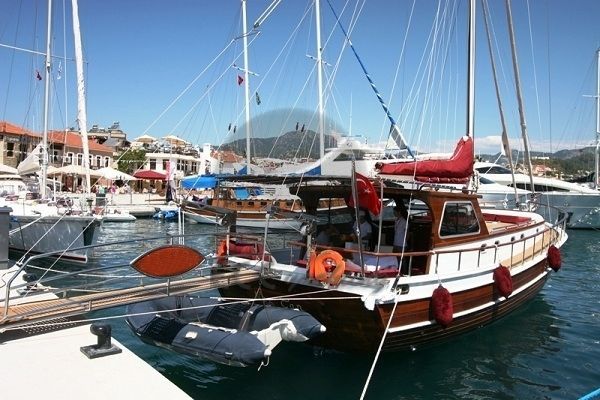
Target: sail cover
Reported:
[(458, 167)]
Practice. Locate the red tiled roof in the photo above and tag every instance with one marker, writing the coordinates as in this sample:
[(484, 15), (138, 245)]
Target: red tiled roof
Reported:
[(73, 139), (227, 156), (7, 127)]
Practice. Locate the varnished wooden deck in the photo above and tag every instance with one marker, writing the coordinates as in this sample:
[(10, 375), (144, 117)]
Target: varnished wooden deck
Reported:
[(27, 313)]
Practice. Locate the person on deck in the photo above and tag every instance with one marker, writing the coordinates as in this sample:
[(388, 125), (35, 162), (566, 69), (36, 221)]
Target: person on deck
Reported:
[(365, 230), (401, 234)]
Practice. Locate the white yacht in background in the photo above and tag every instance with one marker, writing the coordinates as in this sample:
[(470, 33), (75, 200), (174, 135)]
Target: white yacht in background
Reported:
[(44, 226), (580, 203)]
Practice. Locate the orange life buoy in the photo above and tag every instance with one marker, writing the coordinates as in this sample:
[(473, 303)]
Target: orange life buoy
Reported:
[(323, 261)]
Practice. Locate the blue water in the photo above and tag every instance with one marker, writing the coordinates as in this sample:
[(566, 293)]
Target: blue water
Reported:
[(549, 349)]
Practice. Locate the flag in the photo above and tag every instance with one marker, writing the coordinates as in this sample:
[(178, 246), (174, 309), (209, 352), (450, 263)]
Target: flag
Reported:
[(297, 124), (367, 196), (257, 99), (240, 80), (58, 75), (37, 75)]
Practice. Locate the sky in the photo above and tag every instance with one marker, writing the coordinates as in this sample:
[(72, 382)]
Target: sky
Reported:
[(171, 67)]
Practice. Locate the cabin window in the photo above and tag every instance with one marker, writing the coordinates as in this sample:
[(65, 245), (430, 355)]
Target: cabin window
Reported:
[(79, 159), (153, 164), (106, 161), (69, 158), (263, 203), (98, 161), (459, 218)]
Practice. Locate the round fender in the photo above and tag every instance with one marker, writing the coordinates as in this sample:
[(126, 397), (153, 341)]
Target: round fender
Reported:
[(324, 260), (442, 307), (503, 281), (554, 258), (222, 252)]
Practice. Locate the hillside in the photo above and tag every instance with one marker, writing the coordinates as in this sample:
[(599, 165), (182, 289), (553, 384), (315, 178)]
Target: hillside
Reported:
[(293, 144)]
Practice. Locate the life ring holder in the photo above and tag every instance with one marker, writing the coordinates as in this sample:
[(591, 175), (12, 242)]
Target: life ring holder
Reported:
[(323, 261)]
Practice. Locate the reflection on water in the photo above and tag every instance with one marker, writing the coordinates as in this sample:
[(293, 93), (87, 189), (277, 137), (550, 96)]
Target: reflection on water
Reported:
[(547, 349)]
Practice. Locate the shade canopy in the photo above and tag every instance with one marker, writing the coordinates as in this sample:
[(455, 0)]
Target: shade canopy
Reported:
[(199, 182), (115, 174), (149, 174), (145, 139), (73, 170), (174, 139), (5, 169)]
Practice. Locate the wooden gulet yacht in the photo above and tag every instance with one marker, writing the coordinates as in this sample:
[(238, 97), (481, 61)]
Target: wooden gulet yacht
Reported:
[(467, 268)]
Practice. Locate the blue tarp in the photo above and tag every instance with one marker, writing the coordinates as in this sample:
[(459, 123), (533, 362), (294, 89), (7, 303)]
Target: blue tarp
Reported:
[(199, 182)]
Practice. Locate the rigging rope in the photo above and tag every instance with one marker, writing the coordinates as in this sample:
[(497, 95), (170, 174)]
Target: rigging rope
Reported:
[(395, 130)]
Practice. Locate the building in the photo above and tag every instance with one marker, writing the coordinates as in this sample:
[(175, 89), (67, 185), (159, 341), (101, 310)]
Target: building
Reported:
[(16, 143), (64, 148)]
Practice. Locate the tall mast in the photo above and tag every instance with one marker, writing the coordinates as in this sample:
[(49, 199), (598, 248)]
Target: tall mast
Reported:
[(320, 79), (471, 71), (46, 101), (597, 154), (81, 106), (513, 47), (246, 85)]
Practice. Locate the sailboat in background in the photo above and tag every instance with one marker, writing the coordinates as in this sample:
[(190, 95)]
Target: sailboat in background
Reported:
[(44, 225)]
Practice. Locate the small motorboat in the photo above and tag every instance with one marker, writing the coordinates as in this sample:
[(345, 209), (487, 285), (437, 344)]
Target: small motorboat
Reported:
[(236, 334)]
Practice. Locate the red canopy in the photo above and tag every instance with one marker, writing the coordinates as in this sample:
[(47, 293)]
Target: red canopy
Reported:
[(150, 174), (458, 167)]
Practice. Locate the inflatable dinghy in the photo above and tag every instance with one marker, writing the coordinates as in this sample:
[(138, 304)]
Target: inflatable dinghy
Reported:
[(237, 334)]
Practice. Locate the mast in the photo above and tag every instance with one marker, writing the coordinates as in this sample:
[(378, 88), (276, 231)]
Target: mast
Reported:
[(597, 154), (44, 147), (471, 71), (505, 141), (81, 106), (320, 79), (246, 85), (513, 48)]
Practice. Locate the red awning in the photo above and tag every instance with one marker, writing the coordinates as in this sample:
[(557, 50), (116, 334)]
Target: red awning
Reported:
[(150, 174)]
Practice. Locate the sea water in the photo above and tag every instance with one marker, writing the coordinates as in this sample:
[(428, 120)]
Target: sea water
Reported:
[(548, 349)]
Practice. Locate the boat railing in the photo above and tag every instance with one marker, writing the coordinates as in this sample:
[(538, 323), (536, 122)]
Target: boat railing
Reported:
[(520, 250), (102, 273)]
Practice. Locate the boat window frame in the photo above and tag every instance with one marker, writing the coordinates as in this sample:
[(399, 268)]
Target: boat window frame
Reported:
[(460, 234)]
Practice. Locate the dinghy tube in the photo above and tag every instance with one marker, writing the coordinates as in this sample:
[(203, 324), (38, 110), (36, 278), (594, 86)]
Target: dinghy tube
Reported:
[(236, 334)]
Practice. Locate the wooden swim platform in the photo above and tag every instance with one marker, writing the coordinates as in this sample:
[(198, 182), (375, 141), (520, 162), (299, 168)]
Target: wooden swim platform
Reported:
[(38, 311)]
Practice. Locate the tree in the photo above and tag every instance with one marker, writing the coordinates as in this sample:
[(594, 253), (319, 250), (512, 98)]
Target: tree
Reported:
[(131, 160)]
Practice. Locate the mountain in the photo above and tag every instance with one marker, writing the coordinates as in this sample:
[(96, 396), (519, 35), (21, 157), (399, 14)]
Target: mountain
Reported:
[(290, 145), (573, 162)]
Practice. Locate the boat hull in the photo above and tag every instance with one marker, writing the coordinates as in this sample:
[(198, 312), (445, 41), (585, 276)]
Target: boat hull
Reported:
[(256, 221), (35, 235), (353, 327)]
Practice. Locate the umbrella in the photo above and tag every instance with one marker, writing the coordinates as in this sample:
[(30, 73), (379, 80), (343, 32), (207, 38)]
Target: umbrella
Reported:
[(145, 139), (5, 169), (174, 139), (115, 174), (149, 174), (73, 170)]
